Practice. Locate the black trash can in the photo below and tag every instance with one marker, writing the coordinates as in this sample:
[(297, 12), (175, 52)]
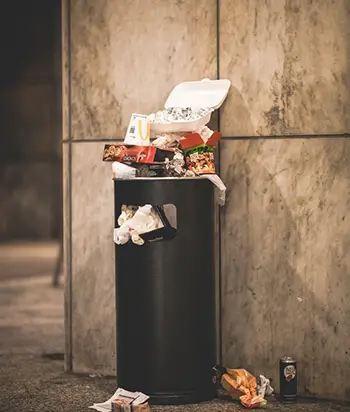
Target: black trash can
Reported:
[(165, 298)]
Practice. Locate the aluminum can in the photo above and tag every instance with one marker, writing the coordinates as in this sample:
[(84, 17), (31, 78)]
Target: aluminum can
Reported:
[(288, 380)]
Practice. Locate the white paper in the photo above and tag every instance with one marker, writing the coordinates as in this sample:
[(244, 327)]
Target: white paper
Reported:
[(220, 189), (123, 171), (136, 398), (144, 220)]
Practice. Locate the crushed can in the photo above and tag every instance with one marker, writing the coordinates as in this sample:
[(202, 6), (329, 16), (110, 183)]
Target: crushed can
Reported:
[(288, 380)]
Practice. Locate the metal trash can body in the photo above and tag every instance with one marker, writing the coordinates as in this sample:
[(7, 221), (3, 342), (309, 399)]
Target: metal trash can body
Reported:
[(165, 297)]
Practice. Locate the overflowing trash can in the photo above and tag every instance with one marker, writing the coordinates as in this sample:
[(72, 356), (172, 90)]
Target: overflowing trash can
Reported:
[(165, 292)]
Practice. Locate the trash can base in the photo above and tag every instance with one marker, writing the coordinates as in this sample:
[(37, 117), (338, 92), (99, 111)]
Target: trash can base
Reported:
[(182, 398)]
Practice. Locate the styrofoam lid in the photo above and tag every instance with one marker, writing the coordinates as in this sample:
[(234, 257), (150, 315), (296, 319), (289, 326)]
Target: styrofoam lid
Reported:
[(200, 94)]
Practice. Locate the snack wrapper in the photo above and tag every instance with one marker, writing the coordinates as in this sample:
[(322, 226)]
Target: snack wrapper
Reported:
[(198, 149), (124, 153)]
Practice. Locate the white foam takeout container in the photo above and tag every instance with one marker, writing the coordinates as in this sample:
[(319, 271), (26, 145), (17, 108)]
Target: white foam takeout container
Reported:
[(198, 94)]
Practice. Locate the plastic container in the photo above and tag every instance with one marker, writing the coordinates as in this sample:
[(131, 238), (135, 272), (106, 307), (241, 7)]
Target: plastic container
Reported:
[(198, 94)]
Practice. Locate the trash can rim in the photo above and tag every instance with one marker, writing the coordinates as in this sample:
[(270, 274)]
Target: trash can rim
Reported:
[(160, 178)]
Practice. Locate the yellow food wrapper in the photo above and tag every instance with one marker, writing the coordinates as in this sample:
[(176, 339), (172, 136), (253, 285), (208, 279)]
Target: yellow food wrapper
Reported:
[(253, 402), (238, 382)]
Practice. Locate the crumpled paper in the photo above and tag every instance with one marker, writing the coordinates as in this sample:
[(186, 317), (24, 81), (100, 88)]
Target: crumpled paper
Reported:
[(263, 386), (123, 171), (240, 384), (176, 166), (166, 140), (144, 220), (176, 114), (133, 398)]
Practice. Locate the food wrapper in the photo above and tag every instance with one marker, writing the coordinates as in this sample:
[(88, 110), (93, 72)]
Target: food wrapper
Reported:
[(167, 140), (199, 150), (138, 132), (124, 401), (120, 405), (240, 384), (124, 153), (253, 402), (176, 166)]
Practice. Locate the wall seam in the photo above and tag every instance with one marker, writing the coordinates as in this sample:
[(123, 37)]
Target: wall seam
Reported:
[(69, 361), (219, 170)]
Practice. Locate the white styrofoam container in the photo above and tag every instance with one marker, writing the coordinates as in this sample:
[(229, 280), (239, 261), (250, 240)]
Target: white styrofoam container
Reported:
[(197, 94)]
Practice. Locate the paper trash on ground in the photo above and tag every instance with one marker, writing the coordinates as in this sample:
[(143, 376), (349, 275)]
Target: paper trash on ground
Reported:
[(134, 398)]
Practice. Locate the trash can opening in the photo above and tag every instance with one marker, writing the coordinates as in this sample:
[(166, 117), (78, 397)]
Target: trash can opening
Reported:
[(146, 224)]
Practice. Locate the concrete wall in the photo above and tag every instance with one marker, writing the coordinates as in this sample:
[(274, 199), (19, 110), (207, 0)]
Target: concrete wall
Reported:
[(284, 230), (30, 89)]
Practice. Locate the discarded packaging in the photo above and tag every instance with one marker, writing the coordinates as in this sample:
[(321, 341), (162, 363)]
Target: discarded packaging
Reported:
[(176, 166), (123, 171), (138, 132), (145, 224), (263, 386), (124, 401), (166, 140), (178, 114), (253, 402), (189, 106), (144, 220), (240, 384), (198, 149), (135, 154)]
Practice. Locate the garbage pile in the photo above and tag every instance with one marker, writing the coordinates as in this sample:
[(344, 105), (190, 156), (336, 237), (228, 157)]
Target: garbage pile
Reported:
[(242, 385), (239, 384), (171, 143)]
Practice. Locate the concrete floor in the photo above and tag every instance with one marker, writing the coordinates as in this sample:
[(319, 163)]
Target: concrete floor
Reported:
[(32, 344)]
